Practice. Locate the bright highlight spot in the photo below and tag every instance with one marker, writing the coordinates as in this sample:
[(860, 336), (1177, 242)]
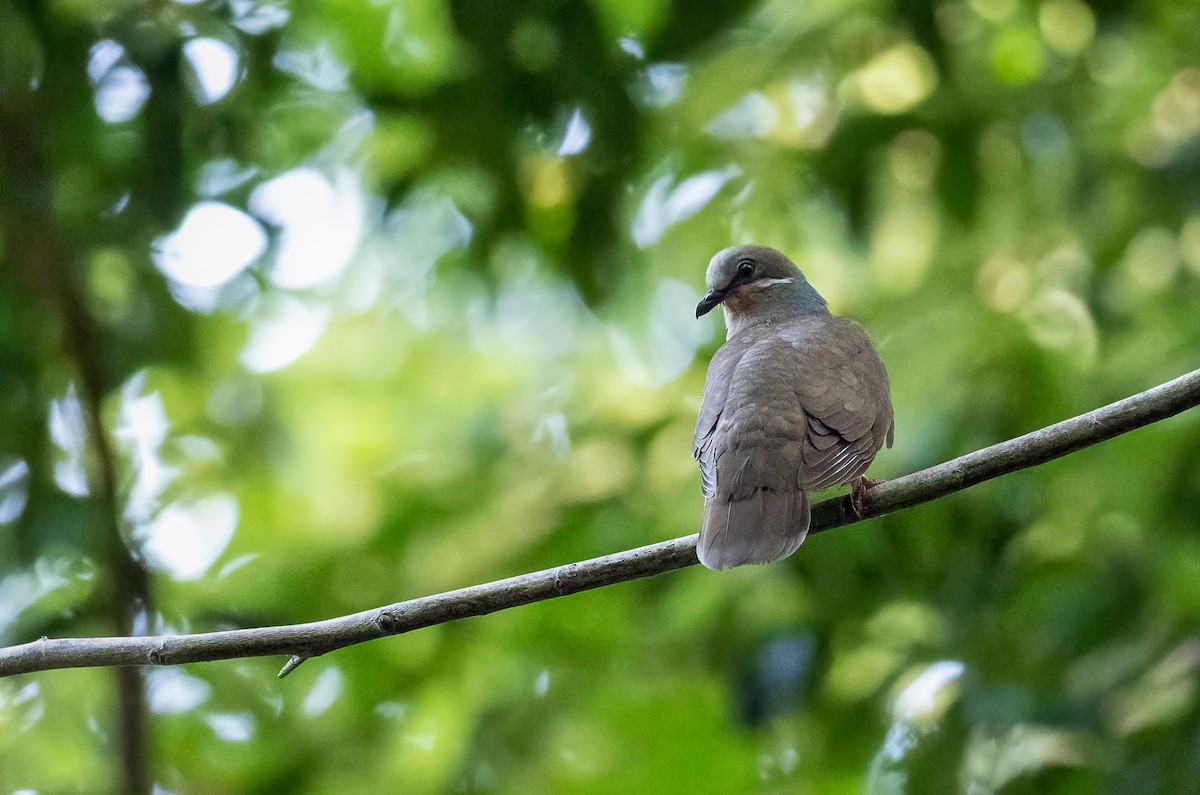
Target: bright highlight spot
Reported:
[(792, 112), (552, 429), (142, 430), (1004, 283), (14, 489), (898, 79), (324, 692), (577, 136), (809, 101), (671, 340), (121, 94), (664, 206), (186, 538), (661, 84), (223, 175), (1177, 108), (282, 331), (68, 431), (633, 47), (547, 181), (172, 692), (1152, 259), (233, 727), (318, 67), (215, 64), (752, 116), (913, 158), (923, 697), (21, 707), (1061, 321), (22, 589), (915, 711), (993, 10), (1189, 242), (903, 240), (214, 243), (121, 90), (540, 322), (104, 55), (320, 223), (421, 230), (1017, 55), (235, 564), (1067, 25), (257, 18)]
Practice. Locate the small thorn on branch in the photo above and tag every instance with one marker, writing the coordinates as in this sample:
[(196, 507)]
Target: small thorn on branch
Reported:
[(291, 665)]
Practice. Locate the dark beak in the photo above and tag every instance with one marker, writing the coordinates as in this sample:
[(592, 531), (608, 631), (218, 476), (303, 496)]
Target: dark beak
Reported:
[(706, 305)]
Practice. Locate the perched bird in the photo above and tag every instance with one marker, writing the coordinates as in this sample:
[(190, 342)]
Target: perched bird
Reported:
[(796, 400)]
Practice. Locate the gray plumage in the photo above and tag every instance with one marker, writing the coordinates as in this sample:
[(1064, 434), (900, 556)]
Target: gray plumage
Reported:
[(796, 400)]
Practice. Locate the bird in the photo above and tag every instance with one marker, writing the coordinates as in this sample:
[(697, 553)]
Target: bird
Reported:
[(796, 400)]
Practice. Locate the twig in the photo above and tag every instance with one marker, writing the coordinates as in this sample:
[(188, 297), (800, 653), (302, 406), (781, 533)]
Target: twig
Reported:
[(319, 637), (291, 665)]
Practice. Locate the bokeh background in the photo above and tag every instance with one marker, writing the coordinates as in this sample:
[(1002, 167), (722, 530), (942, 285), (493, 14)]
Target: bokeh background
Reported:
[(308, 307)]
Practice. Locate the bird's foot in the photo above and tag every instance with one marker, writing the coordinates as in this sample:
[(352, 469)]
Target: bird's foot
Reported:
[(858, 490)]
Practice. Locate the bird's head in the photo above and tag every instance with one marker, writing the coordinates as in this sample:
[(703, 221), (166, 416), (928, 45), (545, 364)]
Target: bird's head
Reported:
[(758, 282)]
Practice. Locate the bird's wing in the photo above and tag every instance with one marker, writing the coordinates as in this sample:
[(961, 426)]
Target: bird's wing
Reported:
[(749, 443), (843, 389), (712, 405)]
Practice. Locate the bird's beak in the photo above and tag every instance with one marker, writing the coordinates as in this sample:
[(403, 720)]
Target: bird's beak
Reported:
[(707, 303)]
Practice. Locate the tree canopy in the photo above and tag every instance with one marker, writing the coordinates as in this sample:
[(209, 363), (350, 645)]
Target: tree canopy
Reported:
[(306, 308)]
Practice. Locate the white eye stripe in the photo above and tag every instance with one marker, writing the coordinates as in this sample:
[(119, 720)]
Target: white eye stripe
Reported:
[(768, 282)]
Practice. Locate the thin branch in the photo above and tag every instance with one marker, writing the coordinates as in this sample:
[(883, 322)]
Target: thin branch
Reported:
[(47, 259), (128, 582), (302, 641), (125, 589)]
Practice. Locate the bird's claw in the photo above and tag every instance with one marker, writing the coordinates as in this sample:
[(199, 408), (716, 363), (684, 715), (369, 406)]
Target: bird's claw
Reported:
[(858, 490)]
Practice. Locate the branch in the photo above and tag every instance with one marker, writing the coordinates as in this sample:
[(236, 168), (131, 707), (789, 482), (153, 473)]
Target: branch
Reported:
[(48, 259), (319, 637)]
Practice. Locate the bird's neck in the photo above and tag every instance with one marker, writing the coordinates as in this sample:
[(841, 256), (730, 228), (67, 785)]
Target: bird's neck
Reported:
[(773, 307)]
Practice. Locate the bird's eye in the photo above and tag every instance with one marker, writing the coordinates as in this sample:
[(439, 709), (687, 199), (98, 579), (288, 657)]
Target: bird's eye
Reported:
[(746, 269)]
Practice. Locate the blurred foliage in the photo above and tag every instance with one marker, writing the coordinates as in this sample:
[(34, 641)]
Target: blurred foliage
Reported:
[(381, 299)]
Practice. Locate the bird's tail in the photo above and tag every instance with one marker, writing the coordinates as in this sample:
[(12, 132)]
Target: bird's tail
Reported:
[(767, 526)]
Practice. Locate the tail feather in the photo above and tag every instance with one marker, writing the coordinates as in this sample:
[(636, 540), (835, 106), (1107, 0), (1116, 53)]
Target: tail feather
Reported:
[(768, 526)]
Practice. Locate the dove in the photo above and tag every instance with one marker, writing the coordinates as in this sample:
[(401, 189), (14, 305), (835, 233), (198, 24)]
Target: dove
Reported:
[(796, 400)]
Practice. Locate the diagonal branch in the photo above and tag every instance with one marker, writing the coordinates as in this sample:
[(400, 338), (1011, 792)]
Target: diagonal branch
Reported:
[(319, 637)]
